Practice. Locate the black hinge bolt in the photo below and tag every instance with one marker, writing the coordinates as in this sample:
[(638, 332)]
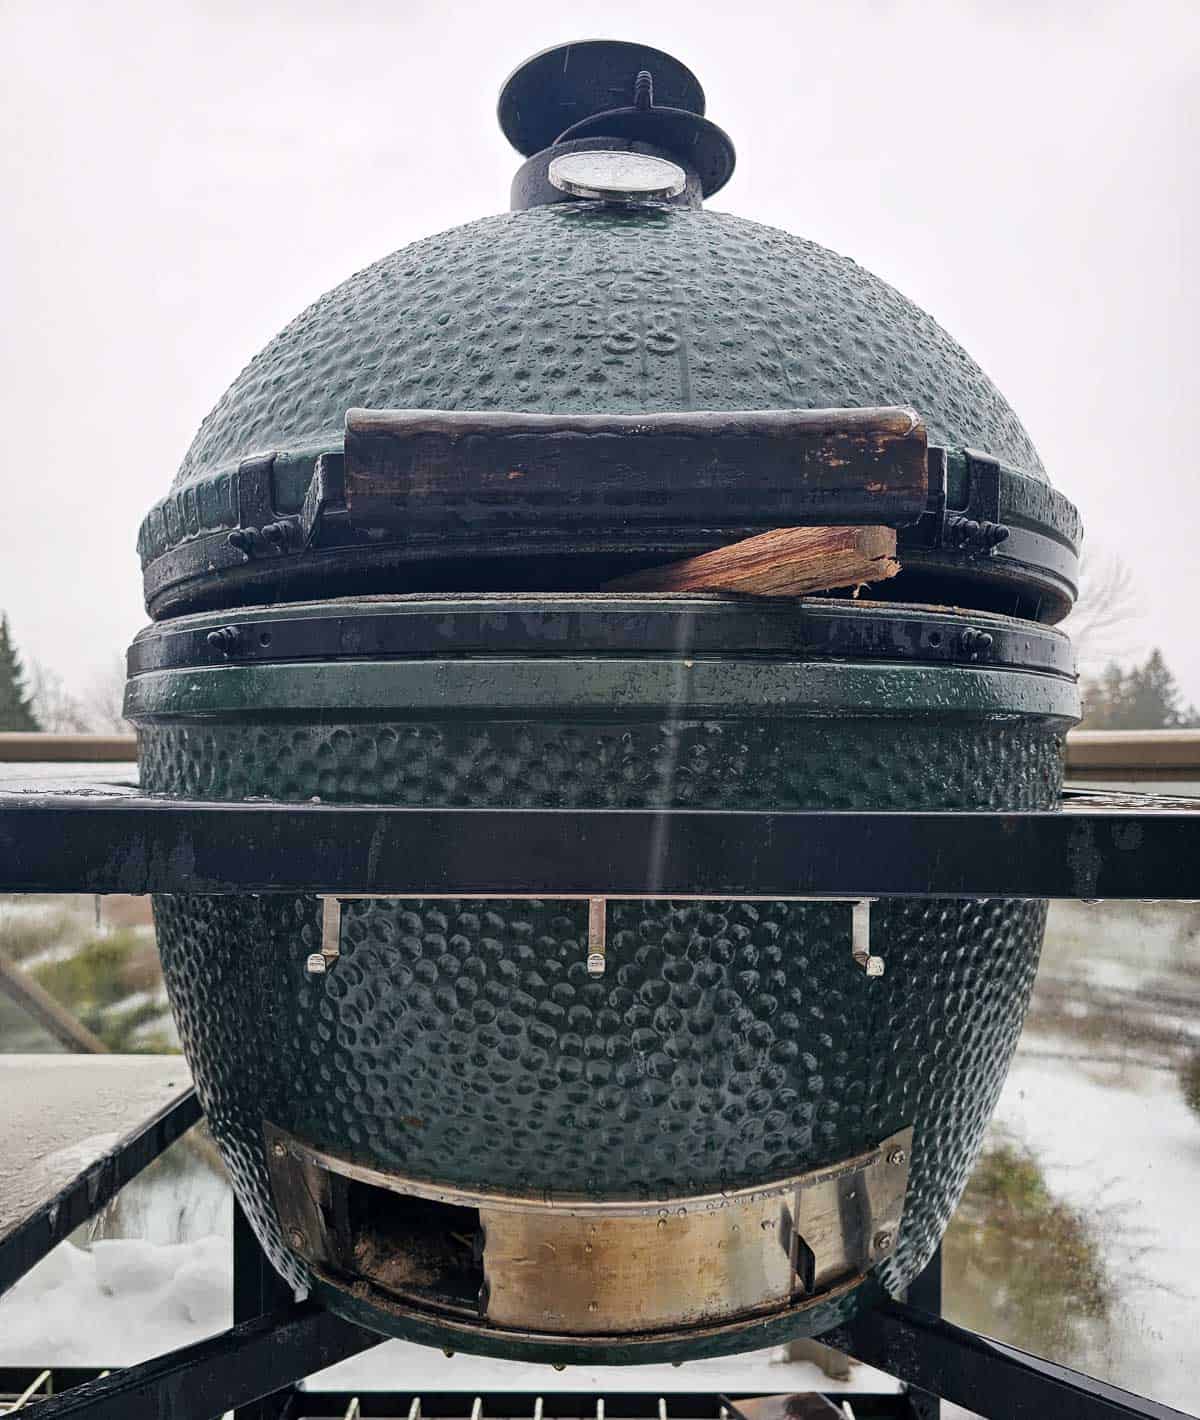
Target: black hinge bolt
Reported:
[(281, 535), (974, 644), (225, 639), (973, 536)]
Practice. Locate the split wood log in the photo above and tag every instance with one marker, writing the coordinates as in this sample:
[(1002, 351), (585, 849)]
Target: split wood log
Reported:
[(789, 562)]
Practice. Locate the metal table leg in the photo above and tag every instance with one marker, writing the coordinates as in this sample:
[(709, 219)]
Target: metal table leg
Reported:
[(257, 1288)]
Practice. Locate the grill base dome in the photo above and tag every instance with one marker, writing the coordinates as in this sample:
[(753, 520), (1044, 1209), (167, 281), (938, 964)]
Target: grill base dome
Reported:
[(727, 1043)]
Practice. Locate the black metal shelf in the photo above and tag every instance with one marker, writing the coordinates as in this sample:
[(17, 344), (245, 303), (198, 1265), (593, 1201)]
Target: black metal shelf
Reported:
[(98, 838)]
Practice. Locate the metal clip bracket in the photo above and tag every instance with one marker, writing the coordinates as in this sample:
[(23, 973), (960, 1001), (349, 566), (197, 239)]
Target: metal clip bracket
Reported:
[(318, 963)]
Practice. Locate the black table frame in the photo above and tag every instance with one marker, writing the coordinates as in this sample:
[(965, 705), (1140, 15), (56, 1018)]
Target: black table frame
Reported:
[(110, 838)]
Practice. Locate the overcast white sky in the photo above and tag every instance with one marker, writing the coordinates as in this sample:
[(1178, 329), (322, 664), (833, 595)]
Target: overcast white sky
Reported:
[(180, 179)]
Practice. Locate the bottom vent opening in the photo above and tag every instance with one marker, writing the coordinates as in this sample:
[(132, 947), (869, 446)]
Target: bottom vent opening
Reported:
[(415, 1248)]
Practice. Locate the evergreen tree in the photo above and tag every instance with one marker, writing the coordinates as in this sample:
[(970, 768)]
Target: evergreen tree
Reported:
[(16, 713), (1146, 697), (1154, 696)]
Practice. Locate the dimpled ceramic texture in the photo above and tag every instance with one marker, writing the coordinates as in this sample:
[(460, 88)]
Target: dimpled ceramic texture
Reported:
[(726, 1044), (578, 307)]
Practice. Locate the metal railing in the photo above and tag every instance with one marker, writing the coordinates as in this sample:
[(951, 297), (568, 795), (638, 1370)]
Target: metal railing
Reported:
[(39, 748), (1133, 754)]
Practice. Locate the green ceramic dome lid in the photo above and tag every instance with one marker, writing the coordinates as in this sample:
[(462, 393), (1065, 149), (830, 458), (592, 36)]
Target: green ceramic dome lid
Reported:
[(586, 307)]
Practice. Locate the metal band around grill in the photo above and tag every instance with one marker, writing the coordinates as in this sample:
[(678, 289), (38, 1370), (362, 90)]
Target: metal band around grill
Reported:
[(580, 1266), (685, 625)]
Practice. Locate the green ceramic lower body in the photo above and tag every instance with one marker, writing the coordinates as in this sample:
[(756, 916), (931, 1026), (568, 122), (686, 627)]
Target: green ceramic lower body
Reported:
[(727, 1044)]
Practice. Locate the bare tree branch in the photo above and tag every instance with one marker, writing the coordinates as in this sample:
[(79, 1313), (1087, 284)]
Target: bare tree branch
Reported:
[(1103, 623), (96, 710), (58, 711), (104, 699)]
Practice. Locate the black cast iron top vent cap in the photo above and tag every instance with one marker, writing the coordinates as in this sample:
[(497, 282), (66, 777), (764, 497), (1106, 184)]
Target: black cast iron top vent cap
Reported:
[(564, 85), (601, 89)]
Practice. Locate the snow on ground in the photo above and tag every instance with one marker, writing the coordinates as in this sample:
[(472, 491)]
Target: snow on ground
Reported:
[(116, 1303), (152, 1272), (1119, 1142)]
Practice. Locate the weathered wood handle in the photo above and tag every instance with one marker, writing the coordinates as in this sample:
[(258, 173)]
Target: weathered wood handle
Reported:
[(797, 467)]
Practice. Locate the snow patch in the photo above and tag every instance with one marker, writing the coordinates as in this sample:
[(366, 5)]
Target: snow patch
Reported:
[(1118, 1142), (118, 1303)]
